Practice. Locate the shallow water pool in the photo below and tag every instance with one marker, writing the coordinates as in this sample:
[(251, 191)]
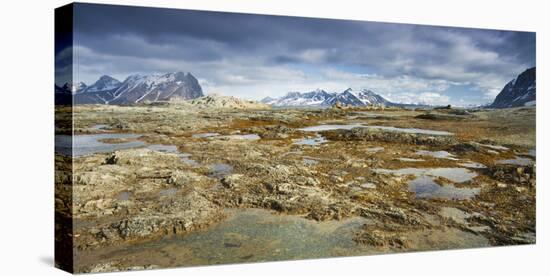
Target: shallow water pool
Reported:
[(79, 145)]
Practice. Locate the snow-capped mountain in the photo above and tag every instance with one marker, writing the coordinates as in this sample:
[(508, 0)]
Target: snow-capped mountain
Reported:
[(73, 88), (520, 91), (98, 93), (137, 89), (104, 83), (368, 97), (152, 88), (77, 87), (363, 97), (313, 98), (345, 98), (320, 97)]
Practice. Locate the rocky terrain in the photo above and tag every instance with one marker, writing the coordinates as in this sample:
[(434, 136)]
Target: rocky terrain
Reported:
[(224, 102), (368, 180)]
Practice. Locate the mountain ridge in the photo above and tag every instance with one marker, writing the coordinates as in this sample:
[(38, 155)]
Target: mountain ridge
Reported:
[(320, 97), (134, 89), (520, 91), (312, 98)]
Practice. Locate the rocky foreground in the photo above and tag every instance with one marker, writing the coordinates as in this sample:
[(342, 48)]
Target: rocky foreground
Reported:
[(206, 161)]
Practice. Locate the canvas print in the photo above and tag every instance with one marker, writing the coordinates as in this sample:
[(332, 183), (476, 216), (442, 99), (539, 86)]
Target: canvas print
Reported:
[(188, 138)]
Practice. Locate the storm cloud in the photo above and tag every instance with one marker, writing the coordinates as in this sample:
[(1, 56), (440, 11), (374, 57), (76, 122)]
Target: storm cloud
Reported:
[(254, 56)]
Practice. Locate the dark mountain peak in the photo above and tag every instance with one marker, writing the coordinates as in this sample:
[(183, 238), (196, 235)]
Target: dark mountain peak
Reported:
[(531, 72), (63, 89), (190, 76), (520, 91), (104, 83), (106, 78), (191, 79), (178, 76)]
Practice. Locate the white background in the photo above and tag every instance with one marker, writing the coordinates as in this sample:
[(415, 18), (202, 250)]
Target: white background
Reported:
[(26, 148)]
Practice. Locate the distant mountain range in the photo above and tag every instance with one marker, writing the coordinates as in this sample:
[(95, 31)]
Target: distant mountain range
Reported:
[(520, 91), (134, 89), (313, 98), (321, 97)]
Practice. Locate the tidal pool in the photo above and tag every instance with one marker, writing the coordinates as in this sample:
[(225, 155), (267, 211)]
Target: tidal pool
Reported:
[(406, 159), (520, 161), (373, 115), (220, 170), (252, 137), (185, 157), (411, 130), (437, 154), (472, 165), (100, 126), (247, 136), (205, 135), (79, 145), (309, 161), (329, 127), (457, 175), (368, 185), (426, 187), (257, 235), (317, 140), (124, 195), (494, 147), (326, 127), (375, 149), (248, 235)]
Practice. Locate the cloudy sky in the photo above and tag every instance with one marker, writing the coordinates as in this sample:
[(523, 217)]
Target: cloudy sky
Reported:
[(254, 56)]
